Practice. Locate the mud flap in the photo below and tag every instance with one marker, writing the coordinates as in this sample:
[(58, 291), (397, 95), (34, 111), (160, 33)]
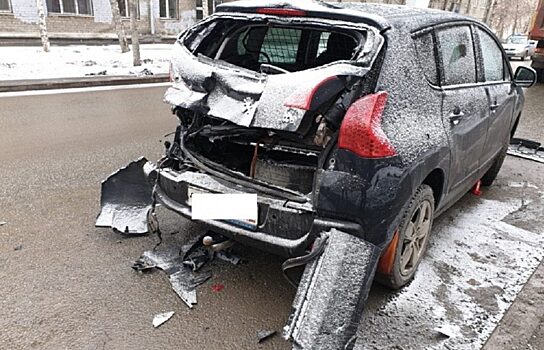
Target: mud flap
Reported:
[(332, 294), (126, 198)]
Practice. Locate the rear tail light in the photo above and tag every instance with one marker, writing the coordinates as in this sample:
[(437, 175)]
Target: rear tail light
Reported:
[(361, 131), (281, 12)]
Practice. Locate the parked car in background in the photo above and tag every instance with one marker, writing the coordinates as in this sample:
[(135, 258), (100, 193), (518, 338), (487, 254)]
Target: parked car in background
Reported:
[(350, 123), (519, 46)]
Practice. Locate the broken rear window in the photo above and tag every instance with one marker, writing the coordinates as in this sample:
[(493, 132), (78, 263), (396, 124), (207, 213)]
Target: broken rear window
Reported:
[(274, 47)]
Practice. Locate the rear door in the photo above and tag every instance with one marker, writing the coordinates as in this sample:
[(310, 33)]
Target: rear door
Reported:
[(464, 105), (500, 94)]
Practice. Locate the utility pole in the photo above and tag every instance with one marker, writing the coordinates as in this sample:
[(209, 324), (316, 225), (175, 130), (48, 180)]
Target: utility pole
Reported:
[(43, 25), (119, 26), (134, 34)]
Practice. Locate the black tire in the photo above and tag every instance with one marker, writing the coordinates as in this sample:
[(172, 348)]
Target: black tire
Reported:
[(490, 176), (398, 277)]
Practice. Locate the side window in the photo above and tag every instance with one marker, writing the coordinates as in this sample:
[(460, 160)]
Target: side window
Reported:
[(456, 52), (426, 57), (492, 57)]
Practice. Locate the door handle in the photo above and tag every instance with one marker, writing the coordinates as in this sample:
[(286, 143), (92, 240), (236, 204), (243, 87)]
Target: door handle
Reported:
[(455, 118), (494, 106)]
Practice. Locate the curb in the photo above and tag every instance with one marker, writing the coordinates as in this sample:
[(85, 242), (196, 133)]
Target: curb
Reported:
[(66, 83)]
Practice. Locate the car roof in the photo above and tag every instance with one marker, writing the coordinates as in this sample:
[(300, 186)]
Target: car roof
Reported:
[(381, 16)]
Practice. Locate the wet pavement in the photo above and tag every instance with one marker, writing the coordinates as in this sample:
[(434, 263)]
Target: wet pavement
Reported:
[(67, 284)]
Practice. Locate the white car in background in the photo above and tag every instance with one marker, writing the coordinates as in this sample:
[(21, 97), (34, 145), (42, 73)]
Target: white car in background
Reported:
[(519, 46)]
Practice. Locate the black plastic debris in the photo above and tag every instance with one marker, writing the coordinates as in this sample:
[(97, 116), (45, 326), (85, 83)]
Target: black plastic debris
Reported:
[(127, 198), (332, 294), (263, 335), (526, 149)]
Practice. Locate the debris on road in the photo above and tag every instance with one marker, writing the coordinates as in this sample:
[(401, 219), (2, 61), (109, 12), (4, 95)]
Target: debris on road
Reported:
[(263, 335), (18, 247), (332, 293), (171, 261), (527, 149), (448, 330), (2, 223), (159, 319), (127, 199), (228, 257)]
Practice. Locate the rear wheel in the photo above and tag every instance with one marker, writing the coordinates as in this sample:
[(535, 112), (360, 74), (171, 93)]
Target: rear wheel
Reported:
[(490, 176), (410, 242)]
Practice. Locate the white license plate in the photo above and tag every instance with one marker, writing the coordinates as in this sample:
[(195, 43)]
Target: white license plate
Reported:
[(238, 208)]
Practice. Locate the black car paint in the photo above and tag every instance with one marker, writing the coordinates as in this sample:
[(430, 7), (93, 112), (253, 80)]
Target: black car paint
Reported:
[(368, 195)]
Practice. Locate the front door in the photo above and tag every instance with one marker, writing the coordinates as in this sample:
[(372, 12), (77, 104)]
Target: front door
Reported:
[(499, 93)]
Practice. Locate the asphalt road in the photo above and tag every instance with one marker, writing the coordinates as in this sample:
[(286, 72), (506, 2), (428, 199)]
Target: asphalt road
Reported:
[(67, 284)]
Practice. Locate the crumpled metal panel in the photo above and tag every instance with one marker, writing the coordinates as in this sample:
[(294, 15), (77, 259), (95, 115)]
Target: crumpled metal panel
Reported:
[(182, 279), (126, 198), (332, 294), (251, 99)]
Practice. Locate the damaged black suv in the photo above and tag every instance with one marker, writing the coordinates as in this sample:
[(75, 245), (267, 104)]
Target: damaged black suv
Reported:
[(336, 131)]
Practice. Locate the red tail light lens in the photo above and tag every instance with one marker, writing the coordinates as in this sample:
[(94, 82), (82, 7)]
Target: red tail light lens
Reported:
[(281, 12), (361, 131)]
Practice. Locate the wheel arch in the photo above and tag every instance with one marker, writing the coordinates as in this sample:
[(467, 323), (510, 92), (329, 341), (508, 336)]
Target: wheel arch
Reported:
[(436, 179)]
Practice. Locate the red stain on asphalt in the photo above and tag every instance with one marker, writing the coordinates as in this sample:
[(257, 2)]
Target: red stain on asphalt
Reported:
[(218, 287)]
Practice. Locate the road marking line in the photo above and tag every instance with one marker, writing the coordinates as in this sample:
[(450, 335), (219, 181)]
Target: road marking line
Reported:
[(83, 89)]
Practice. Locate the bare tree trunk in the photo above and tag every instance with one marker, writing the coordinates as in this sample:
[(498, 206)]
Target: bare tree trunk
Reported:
[(134, 34), (43, 26), (469, 7), (119, 26), (490, 8)]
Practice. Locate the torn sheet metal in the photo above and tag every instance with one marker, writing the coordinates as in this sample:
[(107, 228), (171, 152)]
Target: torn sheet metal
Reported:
[(159, 319), (332, 294), (126, 198), (170, 260), (526, 149), (248, 98)]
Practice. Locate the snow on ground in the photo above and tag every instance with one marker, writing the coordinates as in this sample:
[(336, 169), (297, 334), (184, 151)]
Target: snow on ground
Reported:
[(30, 62), (475, 266)]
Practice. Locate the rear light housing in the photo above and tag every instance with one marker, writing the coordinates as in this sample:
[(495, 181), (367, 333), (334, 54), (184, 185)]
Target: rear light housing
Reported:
[(303, 99), (281, 12), (361, 131)]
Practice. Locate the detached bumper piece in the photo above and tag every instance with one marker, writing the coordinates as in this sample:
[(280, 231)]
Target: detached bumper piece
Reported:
[(126, 198), (527, 149), (332, 294)]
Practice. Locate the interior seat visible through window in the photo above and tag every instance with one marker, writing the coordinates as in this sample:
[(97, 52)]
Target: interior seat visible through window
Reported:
[(339, 47)]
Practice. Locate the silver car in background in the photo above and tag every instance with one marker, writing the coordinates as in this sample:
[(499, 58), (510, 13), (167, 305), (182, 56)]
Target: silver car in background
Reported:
[(519, 46)]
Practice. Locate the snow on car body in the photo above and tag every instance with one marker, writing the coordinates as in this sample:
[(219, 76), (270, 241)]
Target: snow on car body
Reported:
[(355, 124)]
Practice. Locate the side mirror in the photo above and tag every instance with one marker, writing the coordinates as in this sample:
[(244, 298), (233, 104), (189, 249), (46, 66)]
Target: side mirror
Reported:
[(525, 77)]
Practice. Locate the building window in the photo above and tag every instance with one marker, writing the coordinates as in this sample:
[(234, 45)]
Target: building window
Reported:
[(124, 8), (77, 7), (199, 11), (168, 9), (5, 6)]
